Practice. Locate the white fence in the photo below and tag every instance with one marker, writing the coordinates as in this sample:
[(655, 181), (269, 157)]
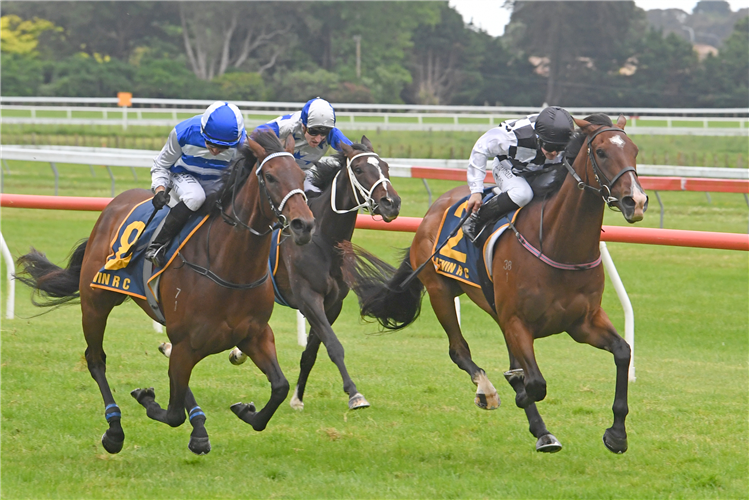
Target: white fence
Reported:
[(168, 112)]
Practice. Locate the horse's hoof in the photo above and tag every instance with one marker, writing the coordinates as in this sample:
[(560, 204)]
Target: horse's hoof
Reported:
[(237, 357), (357, 401), (112, 445), (199, 445), (142, 394), (485, 402), (613, 443), (165, 348), (548, 444), (296, 403)]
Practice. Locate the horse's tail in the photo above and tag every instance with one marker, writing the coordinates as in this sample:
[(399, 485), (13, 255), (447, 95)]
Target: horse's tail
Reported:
[(379, 287), (55, 285)]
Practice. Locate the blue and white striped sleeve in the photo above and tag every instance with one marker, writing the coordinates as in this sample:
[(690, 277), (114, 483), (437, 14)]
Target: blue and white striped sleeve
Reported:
[(336, 138)]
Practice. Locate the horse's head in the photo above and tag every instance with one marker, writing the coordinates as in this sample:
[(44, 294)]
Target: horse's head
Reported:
[(611, 159), (370, 180), (282, 185)]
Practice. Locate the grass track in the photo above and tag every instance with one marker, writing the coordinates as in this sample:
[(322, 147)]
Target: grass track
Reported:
[(422, 437)]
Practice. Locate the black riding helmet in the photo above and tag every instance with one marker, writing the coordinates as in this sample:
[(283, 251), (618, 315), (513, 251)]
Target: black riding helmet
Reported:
[(554, 127)]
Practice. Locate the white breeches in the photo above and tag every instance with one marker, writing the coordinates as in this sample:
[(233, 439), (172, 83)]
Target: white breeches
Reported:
[(187, 189), (517, 188)]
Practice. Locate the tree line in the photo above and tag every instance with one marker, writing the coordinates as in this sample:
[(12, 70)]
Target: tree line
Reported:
[(566, 53)]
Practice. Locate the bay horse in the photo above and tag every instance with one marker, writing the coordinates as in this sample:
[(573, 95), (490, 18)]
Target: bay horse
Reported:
[(555, 289), (209, 309), (309, 278)]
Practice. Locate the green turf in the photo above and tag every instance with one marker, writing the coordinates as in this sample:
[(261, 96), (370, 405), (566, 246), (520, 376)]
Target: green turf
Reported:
[(422, 437)]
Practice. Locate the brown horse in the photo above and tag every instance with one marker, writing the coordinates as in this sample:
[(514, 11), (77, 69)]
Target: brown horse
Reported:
[(309, 278), (556, 289), (227, 303)]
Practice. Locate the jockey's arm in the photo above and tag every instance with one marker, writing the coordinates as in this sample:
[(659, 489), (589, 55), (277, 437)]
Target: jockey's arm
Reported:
[(336, 138), (494, 142), (167, 157)]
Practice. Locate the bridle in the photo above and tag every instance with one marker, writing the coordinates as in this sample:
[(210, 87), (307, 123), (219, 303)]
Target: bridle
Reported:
[(367, 201), (235, 221), (603, 181)]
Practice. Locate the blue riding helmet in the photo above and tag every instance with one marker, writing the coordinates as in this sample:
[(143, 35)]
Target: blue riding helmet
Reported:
[(222, 124), (318, 113)]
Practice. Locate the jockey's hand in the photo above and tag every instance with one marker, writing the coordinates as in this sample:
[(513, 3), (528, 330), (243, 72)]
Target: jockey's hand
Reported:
[(474, 203), (160, 199)]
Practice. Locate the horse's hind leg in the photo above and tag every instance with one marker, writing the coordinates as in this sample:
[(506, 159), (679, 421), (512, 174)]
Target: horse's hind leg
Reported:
[(305, 366), (545, 441), (599, 332), (94, 323), (261, 348), (318, 319), (442, 298)]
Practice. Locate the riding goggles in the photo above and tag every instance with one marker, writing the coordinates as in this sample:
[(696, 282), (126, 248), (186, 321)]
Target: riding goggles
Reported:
[(316, 131), (550, 146)]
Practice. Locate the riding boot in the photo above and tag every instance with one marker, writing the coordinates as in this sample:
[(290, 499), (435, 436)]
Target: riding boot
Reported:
[(489, 212), (174, 221)]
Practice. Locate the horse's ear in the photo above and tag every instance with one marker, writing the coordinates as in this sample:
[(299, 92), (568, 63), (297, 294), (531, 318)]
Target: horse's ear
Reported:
[(621, 122), (256, 148), (584, 125), (289, 144), (347, 150), (367, 143)]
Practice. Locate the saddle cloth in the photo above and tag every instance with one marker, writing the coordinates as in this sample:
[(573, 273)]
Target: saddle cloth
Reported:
[(460, 259), (132, 274)]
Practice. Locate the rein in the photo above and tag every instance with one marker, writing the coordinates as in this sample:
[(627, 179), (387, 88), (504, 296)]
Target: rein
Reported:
[(606, 185), (235, 221), (356, 187)]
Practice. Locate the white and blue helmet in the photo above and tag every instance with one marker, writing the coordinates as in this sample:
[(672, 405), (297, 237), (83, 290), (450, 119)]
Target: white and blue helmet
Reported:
[(318, 113), (222, 124)]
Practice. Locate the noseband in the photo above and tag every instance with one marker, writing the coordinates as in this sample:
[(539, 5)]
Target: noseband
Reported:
[(367, 201), (234, 221), (605, 191)]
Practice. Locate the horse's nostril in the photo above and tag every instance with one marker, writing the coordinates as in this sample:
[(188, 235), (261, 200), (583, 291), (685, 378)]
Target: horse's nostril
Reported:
[(297, 225), (628, 202)]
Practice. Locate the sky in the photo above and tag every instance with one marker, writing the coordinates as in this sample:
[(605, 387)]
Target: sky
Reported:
[(491, 17)]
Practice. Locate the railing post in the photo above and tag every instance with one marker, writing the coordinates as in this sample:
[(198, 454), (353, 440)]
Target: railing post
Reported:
[(111, 176), (658, 196), (629, 315), (9, 268), (57, 175), (301, 329)]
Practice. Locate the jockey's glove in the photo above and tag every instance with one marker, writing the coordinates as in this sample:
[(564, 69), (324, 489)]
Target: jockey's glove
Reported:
[(160, 199)]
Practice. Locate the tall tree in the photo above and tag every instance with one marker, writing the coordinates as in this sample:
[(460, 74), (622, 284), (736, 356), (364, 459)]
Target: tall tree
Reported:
[(235, 33), (571, 37)]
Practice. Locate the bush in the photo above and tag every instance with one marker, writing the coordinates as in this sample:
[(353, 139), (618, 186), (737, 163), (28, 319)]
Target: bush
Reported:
[(241, 86)]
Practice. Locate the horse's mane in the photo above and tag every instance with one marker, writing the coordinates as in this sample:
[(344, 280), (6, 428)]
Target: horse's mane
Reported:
[(324, 172), (578, 137), (240, 169)]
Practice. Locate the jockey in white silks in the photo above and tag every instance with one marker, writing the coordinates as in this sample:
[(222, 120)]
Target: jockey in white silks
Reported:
[(314, 132), (518, 147), (191, 163)]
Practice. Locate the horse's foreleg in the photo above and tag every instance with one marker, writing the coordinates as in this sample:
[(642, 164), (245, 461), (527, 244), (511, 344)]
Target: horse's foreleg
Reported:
[(545, 441), (180, 368), (599, 332), (94, 323), (305, 366), (261, 349), (519, 341), (313, 310), (442, 299), (199, 442)]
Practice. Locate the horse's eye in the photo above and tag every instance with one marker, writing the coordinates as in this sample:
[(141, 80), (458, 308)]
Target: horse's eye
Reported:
[(358, 171), (601, 153), (269, 178)]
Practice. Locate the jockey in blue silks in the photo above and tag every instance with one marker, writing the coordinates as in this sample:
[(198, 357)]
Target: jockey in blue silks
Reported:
[(314, 131), (191, 163)]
